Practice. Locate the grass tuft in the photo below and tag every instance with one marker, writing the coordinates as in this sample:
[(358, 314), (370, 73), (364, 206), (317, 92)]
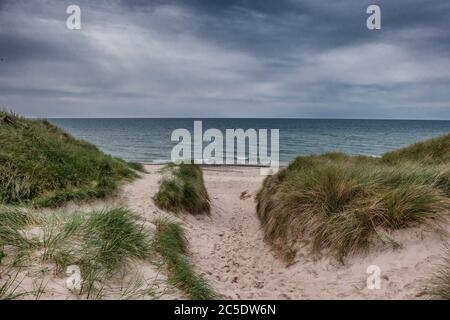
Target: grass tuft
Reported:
[(137, 166), (338, 202), (170, 242), (115, 236), (101, 243), (10, 288), (183, 191), (440, 284), (11, 221)]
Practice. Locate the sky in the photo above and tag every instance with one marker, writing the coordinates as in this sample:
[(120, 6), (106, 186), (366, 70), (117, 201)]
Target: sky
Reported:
[(226, 58)]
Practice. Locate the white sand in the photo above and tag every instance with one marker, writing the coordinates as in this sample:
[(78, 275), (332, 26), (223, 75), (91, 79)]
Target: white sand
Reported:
[(228, 249)]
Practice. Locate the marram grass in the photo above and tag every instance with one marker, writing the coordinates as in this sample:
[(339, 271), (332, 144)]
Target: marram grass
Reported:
[(101, 243), (44, 166), (439, 285), (338, 203), (183, 190), (169, 241)]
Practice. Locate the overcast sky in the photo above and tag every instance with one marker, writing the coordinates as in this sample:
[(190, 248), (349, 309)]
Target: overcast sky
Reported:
[(228, 58)]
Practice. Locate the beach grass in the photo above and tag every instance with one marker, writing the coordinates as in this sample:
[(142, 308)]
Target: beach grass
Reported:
[(183, 190), (11, 221), (439, 286), (339, 203), (101, 243), (432, 151), (137, 166), (169, 241), (43, 166), (10, 289)]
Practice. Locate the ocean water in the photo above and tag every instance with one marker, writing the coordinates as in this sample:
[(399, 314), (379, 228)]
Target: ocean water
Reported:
[(149, 140)]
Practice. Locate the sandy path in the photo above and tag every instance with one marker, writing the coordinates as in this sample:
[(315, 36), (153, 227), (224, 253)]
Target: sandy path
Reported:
[(228, 248)]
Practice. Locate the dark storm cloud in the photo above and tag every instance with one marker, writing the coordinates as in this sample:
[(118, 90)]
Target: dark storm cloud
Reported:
[(226, 58)]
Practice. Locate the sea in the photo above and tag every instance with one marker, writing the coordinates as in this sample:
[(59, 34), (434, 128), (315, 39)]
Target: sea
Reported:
[(148, 140)]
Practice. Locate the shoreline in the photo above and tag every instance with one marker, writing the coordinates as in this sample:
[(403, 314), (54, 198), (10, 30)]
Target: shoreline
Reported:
[(206, 165)]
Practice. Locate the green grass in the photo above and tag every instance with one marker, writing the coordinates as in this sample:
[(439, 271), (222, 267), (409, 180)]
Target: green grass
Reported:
[(183, 191), (10, 289), (339, 203), (137, 166), (433, 151), (170, 242), (42, 165), (115, 236), (439, 286), (11, 221), (11, 240), (101, 243)]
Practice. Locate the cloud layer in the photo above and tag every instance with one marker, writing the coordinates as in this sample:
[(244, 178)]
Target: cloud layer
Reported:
[(226, 59)]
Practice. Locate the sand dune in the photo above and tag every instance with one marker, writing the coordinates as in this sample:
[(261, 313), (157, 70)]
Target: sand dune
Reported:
[(228, 248)]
